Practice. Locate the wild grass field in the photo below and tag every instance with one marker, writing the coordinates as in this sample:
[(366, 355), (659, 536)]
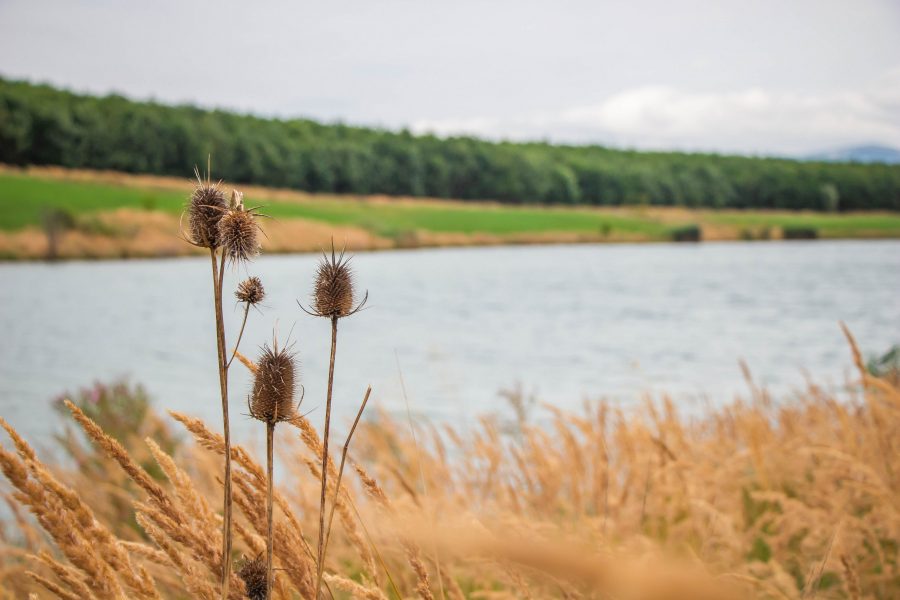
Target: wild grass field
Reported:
[(101, 214), (764, 498), (790, 498)]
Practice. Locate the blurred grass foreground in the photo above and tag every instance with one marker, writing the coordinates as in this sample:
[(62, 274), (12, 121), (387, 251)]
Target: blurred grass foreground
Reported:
[(757, 499)]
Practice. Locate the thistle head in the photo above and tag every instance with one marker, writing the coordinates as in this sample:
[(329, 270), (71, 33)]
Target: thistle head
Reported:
[(238, 231), (274, 384), (334, 293), (250, 291), (253, 573), (205, 209)]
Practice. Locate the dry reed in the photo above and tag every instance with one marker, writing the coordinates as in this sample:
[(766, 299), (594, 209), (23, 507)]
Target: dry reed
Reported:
[(272, 402), (333, 298), (759, 498)]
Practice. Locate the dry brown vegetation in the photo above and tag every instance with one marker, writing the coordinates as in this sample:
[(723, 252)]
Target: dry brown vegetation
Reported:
[(142, 234), (133, 231), (757, 499)]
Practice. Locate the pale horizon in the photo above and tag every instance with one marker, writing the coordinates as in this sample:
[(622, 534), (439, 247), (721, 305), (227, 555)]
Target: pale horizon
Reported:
[(766, 79)]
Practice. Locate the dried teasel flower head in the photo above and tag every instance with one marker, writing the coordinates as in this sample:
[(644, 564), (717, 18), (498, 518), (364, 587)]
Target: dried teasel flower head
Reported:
[(274, 384), (205, 209), (253, 573), (250, 291), (334, 294), (238, 231)]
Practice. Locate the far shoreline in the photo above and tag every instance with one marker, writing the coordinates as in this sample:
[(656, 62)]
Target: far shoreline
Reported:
[(474, 246), (102, 215)]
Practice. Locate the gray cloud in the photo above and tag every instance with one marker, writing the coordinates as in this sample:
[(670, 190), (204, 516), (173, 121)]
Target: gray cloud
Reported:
[(763, 76), (753, 120)]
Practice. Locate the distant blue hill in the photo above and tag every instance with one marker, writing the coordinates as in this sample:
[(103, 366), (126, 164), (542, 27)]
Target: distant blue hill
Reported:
[(860, 154)]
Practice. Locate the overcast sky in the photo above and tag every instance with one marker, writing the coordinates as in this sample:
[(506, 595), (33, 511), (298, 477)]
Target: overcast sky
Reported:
[(753, 76)]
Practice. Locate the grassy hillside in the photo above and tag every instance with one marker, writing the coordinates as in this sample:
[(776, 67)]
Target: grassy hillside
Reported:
[(25, 198), (106, 212)]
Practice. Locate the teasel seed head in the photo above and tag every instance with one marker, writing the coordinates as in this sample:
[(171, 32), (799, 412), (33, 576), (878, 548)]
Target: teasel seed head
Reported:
[(238, 232), (274, 384), (250, 291), (205, 209), (334, 293), (253, 573)]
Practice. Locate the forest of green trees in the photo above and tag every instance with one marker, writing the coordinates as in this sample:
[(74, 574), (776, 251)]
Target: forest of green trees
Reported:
[(46, 126)]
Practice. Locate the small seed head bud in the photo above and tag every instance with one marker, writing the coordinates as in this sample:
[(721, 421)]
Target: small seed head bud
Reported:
[(237, 199), (250, 291)]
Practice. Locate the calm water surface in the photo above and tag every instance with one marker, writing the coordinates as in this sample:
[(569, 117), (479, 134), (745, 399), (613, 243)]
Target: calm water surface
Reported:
[(567, 322)]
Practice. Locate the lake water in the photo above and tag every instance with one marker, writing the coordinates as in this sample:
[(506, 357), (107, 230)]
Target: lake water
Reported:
[(566, 322)]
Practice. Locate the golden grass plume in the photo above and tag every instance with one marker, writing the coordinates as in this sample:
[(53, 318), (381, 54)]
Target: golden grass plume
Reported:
[(756, 499)]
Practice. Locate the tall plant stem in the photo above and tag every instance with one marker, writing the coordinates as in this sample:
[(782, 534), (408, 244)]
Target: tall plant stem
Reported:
[(270, 487), (320, 567), (218, 274), (337, 485)]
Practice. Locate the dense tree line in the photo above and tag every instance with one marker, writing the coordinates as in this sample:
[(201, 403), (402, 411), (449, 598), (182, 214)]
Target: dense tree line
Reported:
[(43, 125)]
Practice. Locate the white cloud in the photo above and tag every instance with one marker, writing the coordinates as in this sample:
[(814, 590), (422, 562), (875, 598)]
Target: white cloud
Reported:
[(753, 120)]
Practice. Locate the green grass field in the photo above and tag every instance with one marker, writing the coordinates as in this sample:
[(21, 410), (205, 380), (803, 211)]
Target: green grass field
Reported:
[(829, 225), (389, 220), (24, 199)]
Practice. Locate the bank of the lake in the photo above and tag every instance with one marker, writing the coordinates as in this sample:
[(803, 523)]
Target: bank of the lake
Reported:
[(91, 214)]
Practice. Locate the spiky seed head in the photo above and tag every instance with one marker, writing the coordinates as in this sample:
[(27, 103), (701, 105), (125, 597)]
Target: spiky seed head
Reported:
[(273, 386), (253, 573), (333, 295), (205, 209), (238, 234), (250, 291)]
